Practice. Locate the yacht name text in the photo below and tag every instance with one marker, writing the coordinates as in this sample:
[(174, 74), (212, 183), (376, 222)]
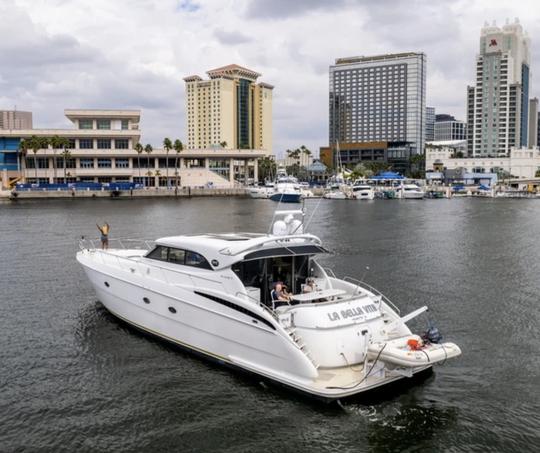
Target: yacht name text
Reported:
[(352, 312)]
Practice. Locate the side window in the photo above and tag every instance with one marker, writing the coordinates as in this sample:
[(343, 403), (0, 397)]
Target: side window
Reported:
[(196, 260), (159, 253), (176, 256)]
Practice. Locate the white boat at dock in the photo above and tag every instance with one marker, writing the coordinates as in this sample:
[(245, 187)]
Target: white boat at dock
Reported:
[(411, 192)]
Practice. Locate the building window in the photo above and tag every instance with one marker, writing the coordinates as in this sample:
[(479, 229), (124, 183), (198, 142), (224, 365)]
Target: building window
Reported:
[(86, 124), (70, 163), (122, 163), (121, 143), (104, 143), (86, 143), (104, 163), (125, 125), (104, 124), (86, 163)]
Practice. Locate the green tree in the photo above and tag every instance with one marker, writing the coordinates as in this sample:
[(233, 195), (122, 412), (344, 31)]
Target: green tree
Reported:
[(139, 149), (148, 174), (167, 145), (37, 143), (266, 168), (178, 147), (66, 154), (56, 144), (148, 150), (24, 146)]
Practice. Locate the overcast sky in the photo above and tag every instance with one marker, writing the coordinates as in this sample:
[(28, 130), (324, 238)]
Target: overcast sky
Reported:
[(57, 54)]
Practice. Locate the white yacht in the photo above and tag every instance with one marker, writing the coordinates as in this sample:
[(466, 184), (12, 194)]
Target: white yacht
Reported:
[(411, 191), (265, 191), (213, 294), (335, 195), (362, 191), (287, 190)]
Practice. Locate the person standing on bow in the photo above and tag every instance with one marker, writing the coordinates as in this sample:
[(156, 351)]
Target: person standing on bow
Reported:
[(104, 230)]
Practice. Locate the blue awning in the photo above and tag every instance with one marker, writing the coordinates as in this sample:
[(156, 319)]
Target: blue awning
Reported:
[(387, 175)]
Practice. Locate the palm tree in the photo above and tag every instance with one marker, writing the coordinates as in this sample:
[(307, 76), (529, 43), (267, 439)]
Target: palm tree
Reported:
[(148, 174), (267, 168), (178, 147), (21, 158), (139, 149), (37, 143), (66, 154), (56, 143), (223, 144), (148, 150), (167, 145)]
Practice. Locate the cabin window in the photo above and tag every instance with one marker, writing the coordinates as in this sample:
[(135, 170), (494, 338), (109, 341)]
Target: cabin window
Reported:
[(179, 256), (159, 253), (176, 256), (196, 260)]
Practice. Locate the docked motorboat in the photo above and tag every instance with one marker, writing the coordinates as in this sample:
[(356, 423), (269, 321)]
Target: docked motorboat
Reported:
[(287, 190), (265, 191), (215, 294), (335, 195), (362, 191), (411, 191)]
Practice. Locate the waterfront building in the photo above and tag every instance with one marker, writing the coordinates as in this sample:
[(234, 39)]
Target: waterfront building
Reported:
[(102, 148), (448, 128), (15, 119), (521, 163), (395, 154), (498, 104), (378, 99), (229, 110), (533, 122), (430, 124)]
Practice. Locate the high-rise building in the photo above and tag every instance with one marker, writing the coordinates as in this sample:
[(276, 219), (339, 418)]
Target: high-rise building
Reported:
[(448, 128), (229, 107), (498, 104), (15, 120), (430, 124), (379, 99), (533, 122)]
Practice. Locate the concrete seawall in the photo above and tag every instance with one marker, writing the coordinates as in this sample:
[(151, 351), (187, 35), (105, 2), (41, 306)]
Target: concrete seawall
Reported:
[(138, 193)]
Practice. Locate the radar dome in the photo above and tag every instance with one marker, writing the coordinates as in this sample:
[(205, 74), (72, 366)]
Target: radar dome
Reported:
[(279, 228), (295, 227)]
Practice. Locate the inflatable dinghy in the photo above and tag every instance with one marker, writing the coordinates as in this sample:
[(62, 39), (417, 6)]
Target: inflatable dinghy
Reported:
[(400, 353)]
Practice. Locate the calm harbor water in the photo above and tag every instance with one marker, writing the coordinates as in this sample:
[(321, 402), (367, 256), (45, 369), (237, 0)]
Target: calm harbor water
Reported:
[(72, 378)]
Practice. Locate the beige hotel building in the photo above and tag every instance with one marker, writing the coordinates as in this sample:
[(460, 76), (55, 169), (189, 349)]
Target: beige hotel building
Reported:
[(229, 107)]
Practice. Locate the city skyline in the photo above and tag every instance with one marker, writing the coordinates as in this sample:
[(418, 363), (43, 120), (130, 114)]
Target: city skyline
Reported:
[(135, 55)]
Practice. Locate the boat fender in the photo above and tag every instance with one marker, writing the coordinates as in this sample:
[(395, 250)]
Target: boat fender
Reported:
[(415, 345)]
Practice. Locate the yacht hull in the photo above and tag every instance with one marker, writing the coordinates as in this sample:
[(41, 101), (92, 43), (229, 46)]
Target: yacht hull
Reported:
[(286, 197), (202, 321), (413, 195)]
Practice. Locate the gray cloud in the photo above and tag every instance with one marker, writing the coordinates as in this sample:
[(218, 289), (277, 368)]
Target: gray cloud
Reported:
[(280, 9), (231, 37)]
